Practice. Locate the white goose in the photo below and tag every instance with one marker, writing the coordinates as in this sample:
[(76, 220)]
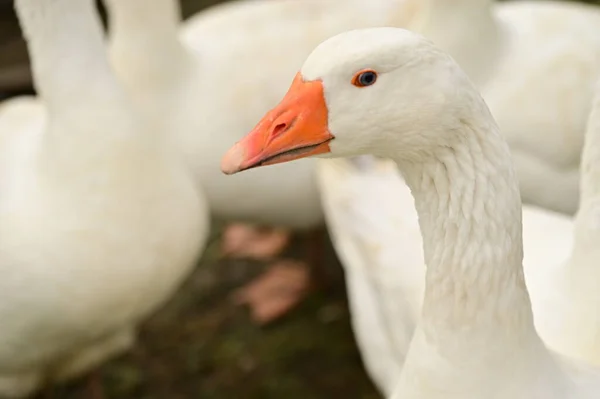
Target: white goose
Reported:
[(535, 63), (365, 215), (392, 93), (99, 221)]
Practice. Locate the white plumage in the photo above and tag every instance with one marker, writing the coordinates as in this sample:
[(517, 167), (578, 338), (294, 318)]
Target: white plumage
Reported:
[(99, 220)]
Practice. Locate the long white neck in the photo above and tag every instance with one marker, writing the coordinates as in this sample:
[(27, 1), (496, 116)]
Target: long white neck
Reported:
[(68, 58), (89, 118), (476, 317), (469, 209), (467, 30), (144, 44)]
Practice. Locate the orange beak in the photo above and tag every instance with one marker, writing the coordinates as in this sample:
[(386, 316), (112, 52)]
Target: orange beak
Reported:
[(295, 128)]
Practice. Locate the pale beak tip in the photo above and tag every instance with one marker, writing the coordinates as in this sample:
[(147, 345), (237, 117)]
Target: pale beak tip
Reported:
[(231, 162)]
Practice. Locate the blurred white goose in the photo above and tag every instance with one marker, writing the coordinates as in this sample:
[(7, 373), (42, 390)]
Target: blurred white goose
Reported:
[(535, 63), (210, 96), (393, 94), (371, 219), (239, 68), (573, 327), (99, 221)]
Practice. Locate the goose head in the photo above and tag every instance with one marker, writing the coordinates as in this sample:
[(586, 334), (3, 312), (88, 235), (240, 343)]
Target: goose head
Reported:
[(381, 91)]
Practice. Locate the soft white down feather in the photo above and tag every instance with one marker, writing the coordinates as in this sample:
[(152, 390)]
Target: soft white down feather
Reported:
[(100, 221), (475, 336)]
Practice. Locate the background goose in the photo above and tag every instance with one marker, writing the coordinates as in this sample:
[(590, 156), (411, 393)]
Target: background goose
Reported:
[(536, 63), (99, 220), (574, 325), (393, 94), (370, 216), (211, 96)]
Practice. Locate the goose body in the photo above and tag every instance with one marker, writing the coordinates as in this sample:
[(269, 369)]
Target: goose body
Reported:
[(393, 94), (536, 64), (99, 220), (211, 80), (574, 326)]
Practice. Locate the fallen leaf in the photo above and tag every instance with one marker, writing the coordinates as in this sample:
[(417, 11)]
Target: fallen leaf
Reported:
[(246, 241), (276, 291)]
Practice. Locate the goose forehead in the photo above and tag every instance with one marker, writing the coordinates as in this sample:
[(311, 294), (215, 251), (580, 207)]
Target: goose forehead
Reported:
[(384, 48)]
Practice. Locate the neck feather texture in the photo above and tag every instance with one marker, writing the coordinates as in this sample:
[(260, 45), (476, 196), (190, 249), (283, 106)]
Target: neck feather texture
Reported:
[(469, 211)]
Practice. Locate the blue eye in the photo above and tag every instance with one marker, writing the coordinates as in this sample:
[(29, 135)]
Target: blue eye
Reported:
[(364, 78)]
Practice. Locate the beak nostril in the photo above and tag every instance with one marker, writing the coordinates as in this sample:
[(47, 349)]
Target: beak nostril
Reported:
[(281, 128)]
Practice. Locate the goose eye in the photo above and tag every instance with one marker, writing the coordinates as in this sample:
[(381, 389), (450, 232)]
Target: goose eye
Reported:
[(364, 78)]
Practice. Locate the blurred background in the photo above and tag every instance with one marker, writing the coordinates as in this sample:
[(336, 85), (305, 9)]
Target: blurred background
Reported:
[(202, 344)]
